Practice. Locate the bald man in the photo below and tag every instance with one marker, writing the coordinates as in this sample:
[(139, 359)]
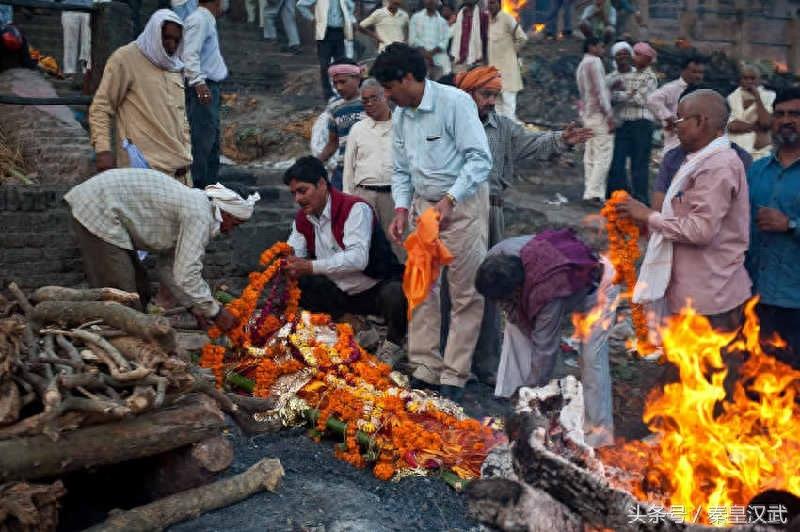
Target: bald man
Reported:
[(699, 238)]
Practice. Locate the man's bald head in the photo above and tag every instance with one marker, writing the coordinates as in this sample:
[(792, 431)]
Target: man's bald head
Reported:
[(710, 104)]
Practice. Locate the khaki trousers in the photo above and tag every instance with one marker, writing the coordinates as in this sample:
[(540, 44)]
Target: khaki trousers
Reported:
[(466, 236), (597, 157), (383, 205)]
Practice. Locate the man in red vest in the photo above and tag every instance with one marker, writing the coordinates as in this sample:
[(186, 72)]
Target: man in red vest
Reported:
[(342, 257)]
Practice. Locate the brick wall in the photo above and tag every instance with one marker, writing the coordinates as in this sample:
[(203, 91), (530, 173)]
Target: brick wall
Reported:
[(37, 247)]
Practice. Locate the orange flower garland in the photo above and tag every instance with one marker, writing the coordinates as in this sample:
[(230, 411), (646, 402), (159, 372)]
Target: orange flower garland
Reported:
[(623, 248), (211, 357)]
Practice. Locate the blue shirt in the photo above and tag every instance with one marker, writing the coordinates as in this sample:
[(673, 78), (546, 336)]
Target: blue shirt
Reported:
[(774, 258), (201, 55), (440, 147)]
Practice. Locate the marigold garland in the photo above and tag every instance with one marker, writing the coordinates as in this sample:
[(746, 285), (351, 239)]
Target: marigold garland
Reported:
[(623, 249), (406, 429)]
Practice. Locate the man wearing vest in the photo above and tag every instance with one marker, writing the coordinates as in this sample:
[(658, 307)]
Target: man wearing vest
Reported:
[(342, 257)]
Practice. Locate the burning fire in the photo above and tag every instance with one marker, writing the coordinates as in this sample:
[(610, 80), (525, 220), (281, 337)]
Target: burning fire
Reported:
[(513, 7), (719, 443)]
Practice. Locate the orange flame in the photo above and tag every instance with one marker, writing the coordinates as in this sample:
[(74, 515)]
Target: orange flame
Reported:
[(513, 7), (718, 444)]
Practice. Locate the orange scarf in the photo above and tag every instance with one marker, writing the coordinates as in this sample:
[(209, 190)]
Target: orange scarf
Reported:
[(426, 256)]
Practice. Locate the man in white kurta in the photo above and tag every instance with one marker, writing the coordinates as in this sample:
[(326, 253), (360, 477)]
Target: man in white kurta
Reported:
[(506, 38), (751, 114)]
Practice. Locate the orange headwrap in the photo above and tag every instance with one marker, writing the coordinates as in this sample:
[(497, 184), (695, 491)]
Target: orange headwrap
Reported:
[(487, 77)]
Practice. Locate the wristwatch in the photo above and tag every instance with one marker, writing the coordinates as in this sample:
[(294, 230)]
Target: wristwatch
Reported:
[(792, 227), (451, 199)]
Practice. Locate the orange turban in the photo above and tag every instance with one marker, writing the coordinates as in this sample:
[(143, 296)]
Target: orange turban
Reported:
[(487, 77), (426, 256)]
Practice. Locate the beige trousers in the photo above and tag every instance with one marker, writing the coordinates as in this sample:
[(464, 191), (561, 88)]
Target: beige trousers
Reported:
[(597, 157), (383, 205), (466, 236)]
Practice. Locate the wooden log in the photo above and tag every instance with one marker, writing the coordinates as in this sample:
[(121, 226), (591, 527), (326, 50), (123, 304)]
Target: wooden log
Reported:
[(60, 293), (74, 313), (26, 506), (158, 515), (194, 418)]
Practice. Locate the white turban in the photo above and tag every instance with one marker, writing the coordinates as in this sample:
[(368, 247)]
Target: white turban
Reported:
[(151, 45), (621, 45), (229, 201)]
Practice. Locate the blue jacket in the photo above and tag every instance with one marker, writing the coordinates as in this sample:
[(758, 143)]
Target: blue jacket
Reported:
[(774, 258)]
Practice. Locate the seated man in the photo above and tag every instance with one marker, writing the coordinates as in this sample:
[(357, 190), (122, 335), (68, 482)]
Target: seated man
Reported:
[(122, 210), (539, 281), (342, 257), (599, 20)]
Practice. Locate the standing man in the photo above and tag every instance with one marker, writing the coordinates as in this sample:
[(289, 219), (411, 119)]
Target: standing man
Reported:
[(429, 33), (333, 23), (284, 10), (469, 47), (506, 38), (344, 112), (597, 115), (551, 19), (368, 163), (663, 102), (751, 113), (390, 22), (441, 161), (121, 210), (204, 69), (633, 138), (775, 237), (77, 44), (699, 239), (509, 143), (141, 95)]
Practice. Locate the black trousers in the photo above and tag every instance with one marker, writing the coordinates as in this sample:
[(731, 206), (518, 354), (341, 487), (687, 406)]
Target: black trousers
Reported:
[(786, 323), (632, 139), (205, 131), (385, 299), (329, 49)]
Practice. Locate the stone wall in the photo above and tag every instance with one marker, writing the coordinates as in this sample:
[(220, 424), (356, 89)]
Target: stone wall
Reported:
[(37, 247), (52, 142)]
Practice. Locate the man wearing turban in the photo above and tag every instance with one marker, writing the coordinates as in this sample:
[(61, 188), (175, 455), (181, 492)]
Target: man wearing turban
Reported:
[(509, 143), (122, 210), (141, 95), (635, 123)]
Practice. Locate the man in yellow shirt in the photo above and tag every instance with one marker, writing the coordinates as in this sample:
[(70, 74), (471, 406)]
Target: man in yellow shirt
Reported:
[(142, 94)]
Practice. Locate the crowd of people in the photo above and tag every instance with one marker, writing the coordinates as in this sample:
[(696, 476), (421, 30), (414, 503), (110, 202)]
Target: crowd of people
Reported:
[(407, 154)]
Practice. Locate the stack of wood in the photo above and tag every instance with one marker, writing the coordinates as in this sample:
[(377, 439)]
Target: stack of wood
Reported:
[(87, 380)]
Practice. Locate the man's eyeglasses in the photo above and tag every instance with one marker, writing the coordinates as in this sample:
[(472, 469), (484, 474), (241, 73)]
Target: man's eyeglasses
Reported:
[(684, 119), (369, 99), (786, 114)]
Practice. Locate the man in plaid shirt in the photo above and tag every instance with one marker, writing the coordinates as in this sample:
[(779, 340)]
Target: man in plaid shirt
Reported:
[(123, 210)]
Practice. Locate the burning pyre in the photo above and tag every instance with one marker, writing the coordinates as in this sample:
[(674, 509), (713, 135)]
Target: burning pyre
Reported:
[(721, 438)]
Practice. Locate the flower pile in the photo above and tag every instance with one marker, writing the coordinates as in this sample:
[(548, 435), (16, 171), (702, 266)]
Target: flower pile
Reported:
[(623, 251), (283, 351)]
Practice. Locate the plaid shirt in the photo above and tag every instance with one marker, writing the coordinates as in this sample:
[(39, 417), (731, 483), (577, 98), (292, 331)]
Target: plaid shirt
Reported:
[(630, 102), (510, 143), (135, 208)]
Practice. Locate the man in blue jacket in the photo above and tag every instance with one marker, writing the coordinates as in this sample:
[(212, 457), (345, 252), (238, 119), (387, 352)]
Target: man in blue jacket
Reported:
[(774, 256)]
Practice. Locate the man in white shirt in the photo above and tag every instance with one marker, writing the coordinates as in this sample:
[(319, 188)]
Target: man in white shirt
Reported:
[(342, 256), (429, 33), (390, 22), (368, 162), (597, 115), (204, 69)]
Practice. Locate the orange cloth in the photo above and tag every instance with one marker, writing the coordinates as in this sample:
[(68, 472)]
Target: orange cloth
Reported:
[(426, 256), (484, 77)]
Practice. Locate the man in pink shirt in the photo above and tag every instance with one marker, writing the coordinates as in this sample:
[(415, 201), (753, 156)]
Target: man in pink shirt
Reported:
[(663, 102), (704, 220)]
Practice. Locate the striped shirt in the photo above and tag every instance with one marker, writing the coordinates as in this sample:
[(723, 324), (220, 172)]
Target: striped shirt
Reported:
[(630, 102), (137, 208), (344, 114)]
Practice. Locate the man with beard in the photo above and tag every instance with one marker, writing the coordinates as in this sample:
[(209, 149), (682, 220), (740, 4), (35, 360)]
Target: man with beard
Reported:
[(774, 252), (510, 143), (699, 239)]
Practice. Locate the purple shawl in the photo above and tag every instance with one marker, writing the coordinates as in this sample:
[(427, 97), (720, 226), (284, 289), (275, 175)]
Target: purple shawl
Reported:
[(557, 264)]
